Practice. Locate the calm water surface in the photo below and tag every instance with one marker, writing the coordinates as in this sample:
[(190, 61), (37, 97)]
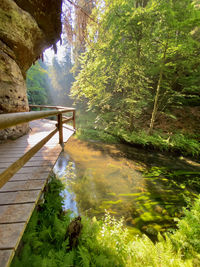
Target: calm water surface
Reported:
[(100, 177)]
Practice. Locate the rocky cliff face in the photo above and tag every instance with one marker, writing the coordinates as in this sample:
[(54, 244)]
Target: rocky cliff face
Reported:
[(27, 27)]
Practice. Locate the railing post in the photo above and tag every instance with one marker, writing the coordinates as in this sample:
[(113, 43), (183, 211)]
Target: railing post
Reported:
[(74, 121), (60, 128)]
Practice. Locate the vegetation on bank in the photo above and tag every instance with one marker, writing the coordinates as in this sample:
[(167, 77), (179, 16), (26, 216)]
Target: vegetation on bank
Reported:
[(176, 142), (90, 129), (103, 243)]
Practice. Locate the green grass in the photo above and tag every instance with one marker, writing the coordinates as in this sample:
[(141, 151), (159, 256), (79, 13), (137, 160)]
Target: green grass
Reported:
[(103, 243)]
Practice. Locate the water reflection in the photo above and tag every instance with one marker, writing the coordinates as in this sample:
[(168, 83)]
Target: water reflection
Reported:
[(65, 171), (101, 177)]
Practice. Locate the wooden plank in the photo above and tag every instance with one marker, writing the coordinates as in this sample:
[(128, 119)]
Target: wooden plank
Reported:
[(6, 257), (35, 169), (23, 185), (15, 149), (14, 154), (41, 163), (29, 176), (22, 197), (10, 235), (8, 159), (16, 213), (39, 153), (52, 158)]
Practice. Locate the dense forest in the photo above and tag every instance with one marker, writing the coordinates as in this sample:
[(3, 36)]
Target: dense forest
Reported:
[(131, 68)]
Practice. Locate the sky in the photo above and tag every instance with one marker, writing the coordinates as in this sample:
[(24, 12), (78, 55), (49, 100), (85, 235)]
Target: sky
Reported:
[(49, 53)]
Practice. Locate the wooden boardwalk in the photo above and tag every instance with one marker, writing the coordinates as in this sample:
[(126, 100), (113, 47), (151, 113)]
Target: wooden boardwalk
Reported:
[(19, 196)]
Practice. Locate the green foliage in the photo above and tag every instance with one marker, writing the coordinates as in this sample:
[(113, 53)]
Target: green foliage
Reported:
[(87, 128), (185, 143), (103, 243), (188, 234), (123, 62), (36, 85), (174, 142), (90, 127), (94, 134)]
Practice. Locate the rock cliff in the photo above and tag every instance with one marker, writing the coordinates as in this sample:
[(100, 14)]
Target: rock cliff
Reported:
[(27, 28)]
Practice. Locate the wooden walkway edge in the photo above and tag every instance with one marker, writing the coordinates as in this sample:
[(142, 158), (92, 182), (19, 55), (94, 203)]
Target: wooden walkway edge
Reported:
[(20, 195)]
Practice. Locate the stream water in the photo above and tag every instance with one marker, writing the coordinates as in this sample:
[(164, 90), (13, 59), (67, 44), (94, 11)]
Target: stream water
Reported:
[(115, 178)]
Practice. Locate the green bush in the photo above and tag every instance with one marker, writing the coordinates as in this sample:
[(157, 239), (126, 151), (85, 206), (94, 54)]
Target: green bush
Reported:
[(187, 237), (185, 144)]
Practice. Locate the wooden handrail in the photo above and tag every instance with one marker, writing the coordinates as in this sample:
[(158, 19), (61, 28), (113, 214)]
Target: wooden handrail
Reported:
[(13, 119), (50, 107), (66, 119)]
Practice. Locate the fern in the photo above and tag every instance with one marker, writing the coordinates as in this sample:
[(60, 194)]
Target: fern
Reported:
[(84, 256), (69, 259)]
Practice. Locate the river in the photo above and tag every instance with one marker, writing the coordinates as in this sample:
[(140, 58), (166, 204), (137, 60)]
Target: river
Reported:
[(124, 181)]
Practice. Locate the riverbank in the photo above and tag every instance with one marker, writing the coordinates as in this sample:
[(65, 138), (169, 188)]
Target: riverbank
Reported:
[(175, 142), (104, 242)]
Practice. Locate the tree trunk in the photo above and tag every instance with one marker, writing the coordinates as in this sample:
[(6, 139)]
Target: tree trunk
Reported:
[(155, 108)]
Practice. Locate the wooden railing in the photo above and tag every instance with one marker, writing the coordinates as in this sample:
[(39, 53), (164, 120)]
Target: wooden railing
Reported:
[(61, 119), (12, 119)]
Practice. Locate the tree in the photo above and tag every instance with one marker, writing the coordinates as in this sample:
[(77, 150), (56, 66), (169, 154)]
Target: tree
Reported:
[(78, 15), (36, 84), (142, 56), (175, 43)]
